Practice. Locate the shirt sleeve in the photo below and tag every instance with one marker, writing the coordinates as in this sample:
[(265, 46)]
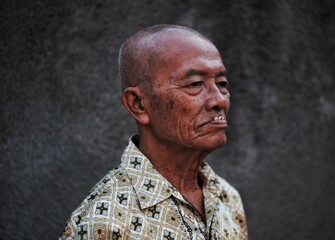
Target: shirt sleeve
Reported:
[(69, 231)]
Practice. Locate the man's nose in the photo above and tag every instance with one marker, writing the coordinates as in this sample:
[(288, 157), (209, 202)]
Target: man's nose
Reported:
[(218, 99)]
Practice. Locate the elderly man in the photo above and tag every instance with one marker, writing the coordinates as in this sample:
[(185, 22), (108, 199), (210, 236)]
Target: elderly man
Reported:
[(174, 86)]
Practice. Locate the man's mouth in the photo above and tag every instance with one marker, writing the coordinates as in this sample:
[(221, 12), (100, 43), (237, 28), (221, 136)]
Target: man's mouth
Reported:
[(217, 120), (220, 117)]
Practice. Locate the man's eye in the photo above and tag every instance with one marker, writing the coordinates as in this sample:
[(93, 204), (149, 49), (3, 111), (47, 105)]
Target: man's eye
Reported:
[(222, 84), (195, 84)]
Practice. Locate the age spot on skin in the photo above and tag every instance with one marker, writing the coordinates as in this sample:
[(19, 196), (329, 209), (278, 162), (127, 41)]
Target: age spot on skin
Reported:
[(171, 104)]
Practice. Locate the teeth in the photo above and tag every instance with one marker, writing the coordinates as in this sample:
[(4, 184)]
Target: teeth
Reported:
[(217, 118)]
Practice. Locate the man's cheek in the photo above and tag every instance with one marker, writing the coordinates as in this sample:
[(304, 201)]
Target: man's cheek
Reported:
[(185, 111), (171, 104)]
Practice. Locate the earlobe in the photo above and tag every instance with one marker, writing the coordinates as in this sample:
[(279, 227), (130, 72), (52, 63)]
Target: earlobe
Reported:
[(132, 99)]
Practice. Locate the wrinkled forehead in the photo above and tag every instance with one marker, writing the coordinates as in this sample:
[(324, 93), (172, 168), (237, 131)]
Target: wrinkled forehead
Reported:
[(179, 54)]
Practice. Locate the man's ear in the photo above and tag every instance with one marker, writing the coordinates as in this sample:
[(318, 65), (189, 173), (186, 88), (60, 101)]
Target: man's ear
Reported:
[(133, 100)]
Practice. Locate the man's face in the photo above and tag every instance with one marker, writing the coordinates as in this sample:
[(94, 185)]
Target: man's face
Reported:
[(189, 100)]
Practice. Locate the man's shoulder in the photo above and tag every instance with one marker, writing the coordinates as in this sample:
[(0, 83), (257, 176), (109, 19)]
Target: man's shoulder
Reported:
[(104, 191), (113, 189), (229, 192)]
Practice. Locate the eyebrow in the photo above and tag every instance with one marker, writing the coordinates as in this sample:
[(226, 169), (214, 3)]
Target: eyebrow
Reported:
[(194, 72)]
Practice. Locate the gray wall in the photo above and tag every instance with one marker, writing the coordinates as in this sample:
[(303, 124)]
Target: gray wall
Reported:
[(62, 125)]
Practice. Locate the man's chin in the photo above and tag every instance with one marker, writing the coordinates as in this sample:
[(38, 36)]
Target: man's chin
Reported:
[(212, 144)]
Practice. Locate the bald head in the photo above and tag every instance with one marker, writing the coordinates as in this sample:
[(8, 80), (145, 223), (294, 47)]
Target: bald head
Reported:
[(143, 51)]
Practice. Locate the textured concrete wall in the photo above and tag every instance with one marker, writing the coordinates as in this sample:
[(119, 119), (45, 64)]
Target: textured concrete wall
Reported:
[(62, 125)]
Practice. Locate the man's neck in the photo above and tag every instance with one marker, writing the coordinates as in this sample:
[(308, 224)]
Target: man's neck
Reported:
[(180, 167)]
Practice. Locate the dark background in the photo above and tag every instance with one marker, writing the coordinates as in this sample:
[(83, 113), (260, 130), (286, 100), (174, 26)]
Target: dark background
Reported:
[(63, 127)]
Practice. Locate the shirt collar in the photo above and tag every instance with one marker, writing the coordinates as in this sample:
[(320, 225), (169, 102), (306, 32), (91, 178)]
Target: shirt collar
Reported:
[(150, 186), (210, 180)]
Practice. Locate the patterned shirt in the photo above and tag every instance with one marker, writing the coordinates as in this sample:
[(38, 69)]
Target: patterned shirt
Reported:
[(134, 201)]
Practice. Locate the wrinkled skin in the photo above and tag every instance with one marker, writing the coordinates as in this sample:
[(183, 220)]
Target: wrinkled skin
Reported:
[(189, 89)]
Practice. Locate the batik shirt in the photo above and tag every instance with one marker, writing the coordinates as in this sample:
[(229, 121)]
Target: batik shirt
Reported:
[(134, 201)]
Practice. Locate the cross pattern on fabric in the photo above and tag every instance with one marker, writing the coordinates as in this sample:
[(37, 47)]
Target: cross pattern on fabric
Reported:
[(82, 233), (123, 197), (134, 201), (154, 212), (135, 162), (102, 208)]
